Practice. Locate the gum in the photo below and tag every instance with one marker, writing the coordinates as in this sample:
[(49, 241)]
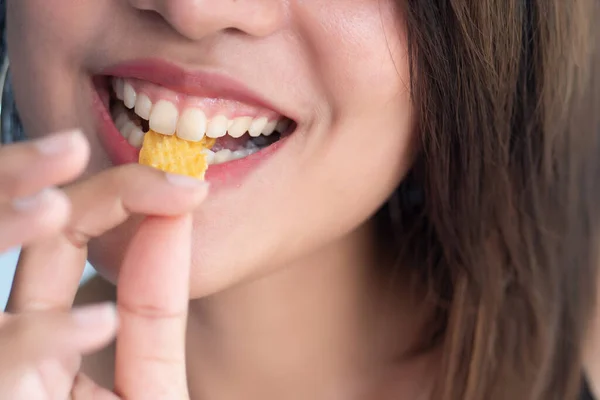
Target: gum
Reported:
[(211, 107)]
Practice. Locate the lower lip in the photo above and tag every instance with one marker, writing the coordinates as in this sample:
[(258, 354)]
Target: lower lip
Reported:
[(121, 152)]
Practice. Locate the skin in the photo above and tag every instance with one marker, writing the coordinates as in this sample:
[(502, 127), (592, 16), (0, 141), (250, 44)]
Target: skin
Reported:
[(281, 269)]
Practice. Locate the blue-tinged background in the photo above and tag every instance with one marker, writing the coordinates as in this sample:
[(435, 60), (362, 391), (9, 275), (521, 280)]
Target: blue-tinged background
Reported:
[(8, 263)]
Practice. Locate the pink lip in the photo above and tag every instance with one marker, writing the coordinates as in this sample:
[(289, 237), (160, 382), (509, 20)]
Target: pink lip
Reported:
[(176, 79)]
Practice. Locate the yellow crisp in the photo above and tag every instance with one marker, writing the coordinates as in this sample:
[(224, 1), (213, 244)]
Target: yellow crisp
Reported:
[(175, 155)]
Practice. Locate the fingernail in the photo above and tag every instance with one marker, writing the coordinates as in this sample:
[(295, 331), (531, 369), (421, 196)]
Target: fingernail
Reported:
[(56, 143), (35, 202), (185, 181), (95, 315)]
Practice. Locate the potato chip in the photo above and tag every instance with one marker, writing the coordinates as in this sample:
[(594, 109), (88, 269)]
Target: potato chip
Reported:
[(172, 154)]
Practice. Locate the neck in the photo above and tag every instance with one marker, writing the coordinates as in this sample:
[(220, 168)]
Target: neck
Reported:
[(325, 328)]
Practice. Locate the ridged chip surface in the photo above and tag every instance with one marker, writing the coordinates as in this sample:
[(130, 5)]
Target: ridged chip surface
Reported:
[(175, 155)]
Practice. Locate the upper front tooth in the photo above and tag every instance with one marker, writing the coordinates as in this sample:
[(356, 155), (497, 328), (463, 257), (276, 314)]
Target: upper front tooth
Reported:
[(269, 128), (129, 95), (192, 125), (217, 127), (240, 126), (257, 126), (163, 118), (143, 106)]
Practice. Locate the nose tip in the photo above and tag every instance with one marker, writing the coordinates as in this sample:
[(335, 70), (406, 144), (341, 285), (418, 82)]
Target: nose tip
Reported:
[(196, 19)]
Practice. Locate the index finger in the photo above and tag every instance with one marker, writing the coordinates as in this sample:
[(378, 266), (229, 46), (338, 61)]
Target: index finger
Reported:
[(152, 299), (48, 273)]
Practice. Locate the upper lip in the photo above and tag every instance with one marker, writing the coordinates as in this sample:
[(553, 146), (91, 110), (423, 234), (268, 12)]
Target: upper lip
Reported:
[(191, 83)]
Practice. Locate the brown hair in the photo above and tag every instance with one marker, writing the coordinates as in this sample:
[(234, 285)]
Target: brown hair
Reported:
[(508, 96)]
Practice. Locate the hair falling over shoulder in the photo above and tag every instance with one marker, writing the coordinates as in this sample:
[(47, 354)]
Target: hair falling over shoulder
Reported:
[(508, 96)]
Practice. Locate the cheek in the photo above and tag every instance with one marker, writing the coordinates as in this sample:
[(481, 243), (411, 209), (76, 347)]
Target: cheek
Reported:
[(366, 143), (359, 48), (47, 43), (57, 26), (38, 46), (360, 51)]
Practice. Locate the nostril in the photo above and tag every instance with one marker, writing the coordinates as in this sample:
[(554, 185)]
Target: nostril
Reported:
[(152, 16), (196, 19), (234, 31)]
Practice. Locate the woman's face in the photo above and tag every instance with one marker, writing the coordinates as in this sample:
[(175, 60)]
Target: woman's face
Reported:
[(337, 68)]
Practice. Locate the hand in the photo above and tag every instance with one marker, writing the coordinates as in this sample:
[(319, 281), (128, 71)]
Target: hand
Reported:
[(42, 340)]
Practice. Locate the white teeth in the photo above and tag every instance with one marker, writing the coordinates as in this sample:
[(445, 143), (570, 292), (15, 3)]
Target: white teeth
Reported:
[(121, 120), (118, 87), (239, 126), (258, 125), (250, 145), (217, 127), (129, 95), (210, 156), (136, 137), (163, 118), (127, 129), (192, 125), (283, 125), (236, 155), (269, 128), (143, 106), (223, 156)]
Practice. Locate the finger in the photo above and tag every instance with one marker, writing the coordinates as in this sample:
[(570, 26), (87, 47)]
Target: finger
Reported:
[(27, 339), (153, 295), (35, 217), (28, 167), (98, 205)]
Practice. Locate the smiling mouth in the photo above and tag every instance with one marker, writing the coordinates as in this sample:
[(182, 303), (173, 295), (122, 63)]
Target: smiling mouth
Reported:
[(239, 129)]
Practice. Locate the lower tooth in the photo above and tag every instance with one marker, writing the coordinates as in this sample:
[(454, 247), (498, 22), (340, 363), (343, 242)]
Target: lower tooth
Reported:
[(121, 120), (239, 154), (250, 145), (259, 141), (127, 129), (210, 156), (136, 137), (223, 156)]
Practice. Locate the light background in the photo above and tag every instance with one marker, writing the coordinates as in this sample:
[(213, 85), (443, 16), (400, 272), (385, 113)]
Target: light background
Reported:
[(8, 263)]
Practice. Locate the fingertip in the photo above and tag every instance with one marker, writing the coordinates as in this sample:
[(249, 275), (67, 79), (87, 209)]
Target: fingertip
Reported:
[(47, 211), (49, 197), (56, 208), (61, 143), (185, 181), (80, 148), (69, 151), (81, 142), (97, 324), (96, 315), (199, 188)]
